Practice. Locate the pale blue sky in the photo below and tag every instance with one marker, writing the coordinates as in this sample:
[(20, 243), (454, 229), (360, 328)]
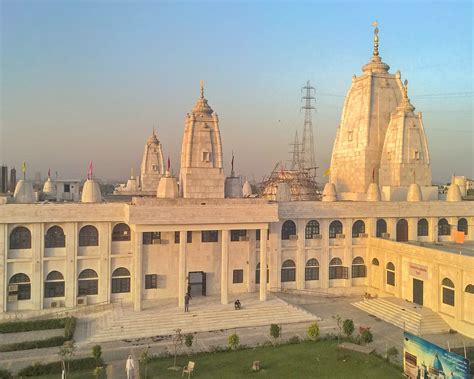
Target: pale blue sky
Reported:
[(84, 80)]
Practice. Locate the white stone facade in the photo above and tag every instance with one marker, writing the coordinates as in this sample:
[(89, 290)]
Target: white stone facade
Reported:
[(152, 167)]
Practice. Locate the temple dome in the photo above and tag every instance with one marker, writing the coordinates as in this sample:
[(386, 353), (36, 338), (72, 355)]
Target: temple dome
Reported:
[(414, 193), (91, 192), (49, 188), (454, 193), (329, 192), (247, 189), (373, 192), (201, 106), (24, 193)]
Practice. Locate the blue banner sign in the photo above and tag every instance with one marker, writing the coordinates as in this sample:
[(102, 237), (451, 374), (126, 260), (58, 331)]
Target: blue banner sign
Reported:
[(425, 360)]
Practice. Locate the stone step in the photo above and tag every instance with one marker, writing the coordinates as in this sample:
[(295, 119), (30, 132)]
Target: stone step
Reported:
[(389, 305), (389, 315)]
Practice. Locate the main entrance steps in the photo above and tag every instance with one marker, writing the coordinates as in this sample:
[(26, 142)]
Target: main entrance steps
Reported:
[(408, 316), (161, 318)]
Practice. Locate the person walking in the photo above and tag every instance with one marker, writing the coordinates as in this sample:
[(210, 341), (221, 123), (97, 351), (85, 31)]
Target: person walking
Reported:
[(187, 297), (130, 367)]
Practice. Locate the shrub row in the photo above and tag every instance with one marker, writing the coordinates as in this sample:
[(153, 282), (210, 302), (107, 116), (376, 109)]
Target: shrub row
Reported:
[(5, 374), (27, 326), (38, 344), (56, 367)]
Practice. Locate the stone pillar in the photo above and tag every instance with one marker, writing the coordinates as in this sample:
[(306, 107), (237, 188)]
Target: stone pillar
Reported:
[(263, 264), (458, 296), (105, 240), (182, 268), (347, 259), (37, 282), (252, 260), (435, 290), (433, 229), (137, 253), (324, 261), (371, 227), (71, 273), (3, 267), (225, 267), (412, 229), (300, 254), (275, 256)]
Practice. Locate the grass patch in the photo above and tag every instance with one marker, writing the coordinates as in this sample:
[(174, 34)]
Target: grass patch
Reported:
[(28, 326), (304, 360)]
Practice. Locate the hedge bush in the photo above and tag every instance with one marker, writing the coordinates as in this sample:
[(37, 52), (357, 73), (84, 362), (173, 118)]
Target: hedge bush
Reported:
[(69, 327), (38, 344), (28, 326), (5, 374), (38, 369)]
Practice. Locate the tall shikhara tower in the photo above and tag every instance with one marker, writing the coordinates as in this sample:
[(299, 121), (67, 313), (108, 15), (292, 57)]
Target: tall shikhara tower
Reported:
[(201, 174), (365, 117)]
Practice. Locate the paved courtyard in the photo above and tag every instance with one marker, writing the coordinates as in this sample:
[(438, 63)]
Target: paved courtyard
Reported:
[(325, 308)]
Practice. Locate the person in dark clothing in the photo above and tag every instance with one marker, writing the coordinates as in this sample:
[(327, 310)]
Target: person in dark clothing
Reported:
[(187, 297), (237, 304)]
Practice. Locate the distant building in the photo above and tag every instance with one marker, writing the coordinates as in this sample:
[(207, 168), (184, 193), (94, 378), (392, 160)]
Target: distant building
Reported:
[(12, 179), (4, 179)]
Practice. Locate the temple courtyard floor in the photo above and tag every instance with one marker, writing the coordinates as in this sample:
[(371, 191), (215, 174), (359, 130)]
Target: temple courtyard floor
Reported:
[(121, 332)]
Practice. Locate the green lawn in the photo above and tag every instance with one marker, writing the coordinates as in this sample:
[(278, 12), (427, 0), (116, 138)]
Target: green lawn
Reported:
[(305, 360)]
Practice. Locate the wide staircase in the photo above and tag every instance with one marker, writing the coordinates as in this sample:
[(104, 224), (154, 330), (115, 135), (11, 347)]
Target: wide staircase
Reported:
[(405, 315), (206, 314)]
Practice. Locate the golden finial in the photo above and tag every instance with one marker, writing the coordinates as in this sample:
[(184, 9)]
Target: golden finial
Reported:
[(202, 89), (405, 89), (375, 24)]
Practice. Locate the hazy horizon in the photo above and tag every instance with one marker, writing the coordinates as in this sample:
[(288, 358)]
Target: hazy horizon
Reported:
[(84, 81)]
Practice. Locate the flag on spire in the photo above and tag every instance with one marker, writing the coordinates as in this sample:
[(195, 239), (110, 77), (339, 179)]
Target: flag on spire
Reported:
[(169, 164), (232, 163), (23, 169), (89, 174), (49, 173)]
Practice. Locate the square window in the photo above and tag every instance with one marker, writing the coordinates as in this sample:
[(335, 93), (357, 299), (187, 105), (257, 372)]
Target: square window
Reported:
[(67, 188), (151, 238), (151, 281), (238, 276), (209, 236)]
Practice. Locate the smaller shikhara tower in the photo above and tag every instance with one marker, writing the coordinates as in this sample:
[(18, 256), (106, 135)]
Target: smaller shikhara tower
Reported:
[(152, 167), (201, 175)]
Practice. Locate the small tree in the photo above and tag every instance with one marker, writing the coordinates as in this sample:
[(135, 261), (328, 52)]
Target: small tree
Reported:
[(392, 352), (233, 341), (188, 340), (313, 331), (66, 353), (98, 372), (177, 343), (338, 322), (275, 332), (145, 359), (366, 336), (348, 327), (97, 354)]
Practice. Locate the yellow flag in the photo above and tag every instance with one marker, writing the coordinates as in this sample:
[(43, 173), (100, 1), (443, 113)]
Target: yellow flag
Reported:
[(327, 172), (23, 168)]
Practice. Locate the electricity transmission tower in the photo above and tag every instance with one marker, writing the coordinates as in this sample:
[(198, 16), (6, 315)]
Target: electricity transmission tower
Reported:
[(306, 153)]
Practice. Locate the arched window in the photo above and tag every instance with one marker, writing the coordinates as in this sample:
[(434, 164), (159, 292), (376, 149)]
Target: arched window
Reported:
[(20, 286), (257, 274), (121, 280), (20, 238), (121, 232), (312, 229), (288, 271), (336, 270), (375, 262), (54, 285), (448, 291), (390, 274), (358, 268), (358, 228), (88, 283), (422, 227), (470, 288), (88, 236), (402, 230), (381, 227), (335, 228), (54, 237), (311, 271), (462, 226), (288, 229), (443, 227)]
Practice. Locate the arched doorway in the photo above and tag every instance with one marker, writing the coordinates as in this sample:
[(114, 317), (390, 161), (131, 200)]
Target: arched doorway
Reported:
[(402, 230)]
